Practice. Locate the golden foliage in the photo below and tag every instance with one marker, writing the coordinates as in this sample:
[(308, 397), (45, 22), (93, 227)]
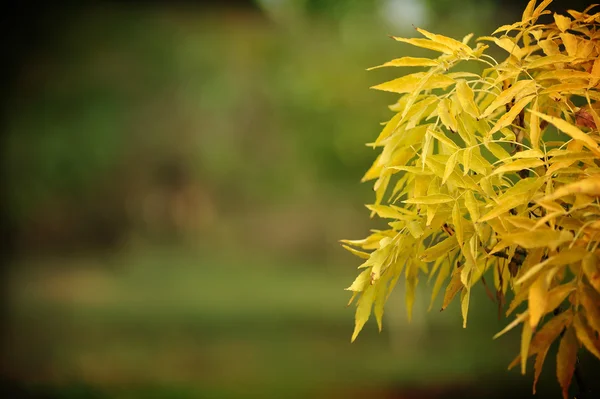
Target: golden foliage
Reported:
[(495, 172)]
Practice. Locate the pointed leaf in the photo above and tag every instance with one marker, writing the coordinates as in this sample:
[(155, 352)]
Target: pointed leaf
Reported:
[(519, 319), (563, 23), (592, 310), (510, 116), (466, 98), (565, 361), (407, 62), (410, 83), (571, 130), (538, 299), (589, 186), (452, 44), (363, 310), (518, 165), (454, 286), (441, 277), (464, 304), (590, 267), (450, 165), (522, 88), (439, 249), (472, 205), (586, 336), (360, 254), (525, 341), (430, 199), (428, 44)]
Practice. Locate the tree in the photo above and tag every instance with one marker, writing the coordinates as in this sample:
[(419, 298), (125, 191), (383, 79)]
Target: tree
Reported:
[(496, 172)]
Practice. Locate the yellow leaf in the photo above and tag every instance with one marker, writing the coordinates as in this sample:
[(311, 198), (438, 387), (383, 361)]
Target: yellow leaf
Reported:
[(466, 39), (360, 254), (565, 361), (504, 205), (415, 170), (592, 310), (539, 10), (506, 43), (518, 165), (454, 286), (590, 267), (458, 224), (589, 186), (562, 22), (528, 154), (411, 284), (534, 126), (374, 171), (453, 44), (497, 151), (572, 131), (528, 11), (361, 282), (570, 42), (467, 158), (386, 212), (441, 137), (428, 44), (410, 83), (466, 98), (430, 199), (522, 88), (549, 60), (380, 186), (563, 88), (549, 46), (363, 310), (519, 319), (447, 117), (389, 128), (563, 74), (557, 295), (441, 277), (595, 78), (450, 165), (508, 118), (586, 336), (539, 363), (415, 228), (380, 299), (525, 341), (538, 299), (407, 62), (546, 335), (550, 238), (472, 205), (464, 304), (439, 249)]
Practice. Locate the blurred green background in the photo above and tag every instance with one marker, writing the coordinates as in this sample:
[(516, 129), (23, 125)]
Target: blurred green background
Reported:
[(179, 177)]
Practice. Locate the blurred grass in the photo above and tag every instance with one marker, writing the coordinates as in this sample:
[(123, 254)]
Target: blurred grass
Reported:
[(180, 318)]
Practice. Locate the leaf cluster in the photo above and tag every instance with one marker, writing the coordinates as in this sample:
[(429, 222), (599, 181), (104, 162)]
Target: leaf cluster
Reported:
[(496, 172)]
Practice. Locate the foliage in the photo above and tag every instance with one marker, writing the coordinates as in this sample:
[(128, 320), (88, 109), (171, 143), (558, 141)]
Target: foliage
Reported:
[(495, 172)]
